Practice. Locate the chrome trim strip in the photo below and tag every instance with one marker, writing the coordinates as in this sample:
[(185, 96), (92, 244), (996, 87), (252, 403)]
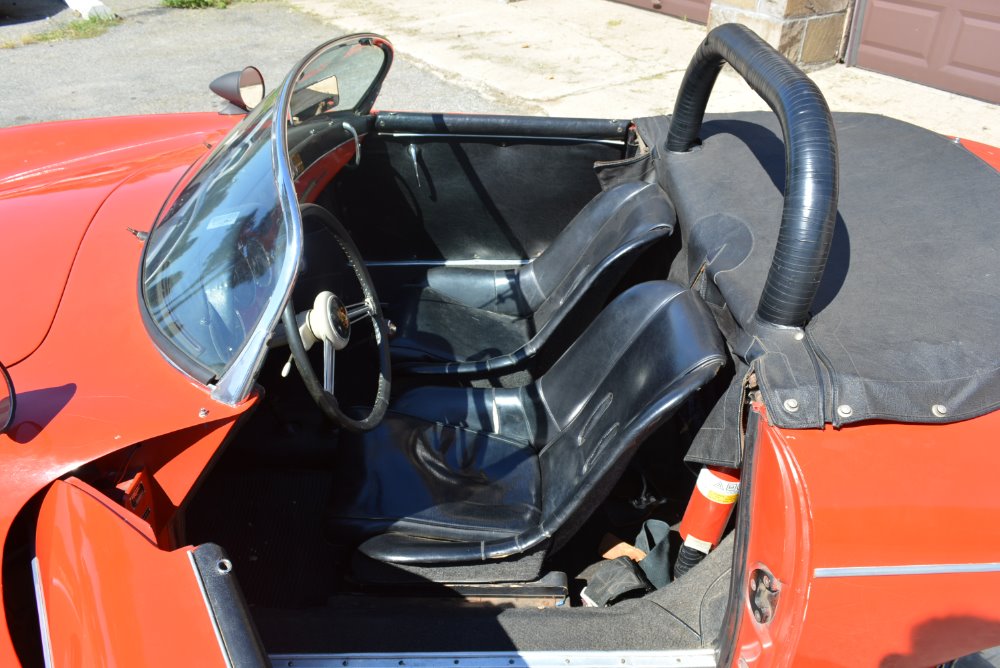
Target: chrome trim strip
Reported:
[(357, 142), (696, 658), (43, 617), (208, 609), (499, 264), (235, 384), (914, 569), (448, 135)]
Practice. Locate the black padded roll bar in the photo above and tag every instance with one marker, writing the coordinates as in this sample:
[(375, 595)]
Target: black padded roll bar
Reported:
[(811, 181)]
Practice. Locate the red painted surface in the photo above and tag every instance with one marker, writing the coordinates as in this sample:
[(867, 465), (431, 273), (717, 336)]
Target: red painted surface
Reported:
[(867, 495), (876, 494), (53, 179), (317, 176), (111, 594), (97, 384), (780, 542), (174, 463), (989, 154)]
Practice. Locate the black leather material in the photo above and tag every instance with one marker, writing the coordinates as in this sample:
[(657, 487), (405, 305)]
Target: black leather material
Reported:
[(476, 320), (416, 477), (426, 198), (498, 125), (522, 568), (464, 475)]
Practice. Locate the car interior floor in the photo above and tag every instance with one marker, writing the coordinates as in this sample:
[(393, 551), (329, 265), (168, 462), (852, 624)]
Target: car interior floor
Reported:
[(267, 502)]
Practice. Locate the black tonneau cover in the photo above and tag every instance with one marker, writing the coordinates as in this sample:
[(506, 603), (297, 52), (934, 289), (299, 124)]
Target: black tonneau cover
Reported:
[(906, 323)]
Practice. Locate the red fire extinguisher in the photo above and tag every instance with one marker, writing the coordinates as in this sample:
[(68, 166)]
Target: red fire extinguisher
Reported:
[(707, 515)]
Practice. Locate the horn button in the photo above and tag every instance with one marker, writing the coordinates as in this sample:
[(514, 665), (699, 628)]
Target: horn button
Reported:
[(328, 320)]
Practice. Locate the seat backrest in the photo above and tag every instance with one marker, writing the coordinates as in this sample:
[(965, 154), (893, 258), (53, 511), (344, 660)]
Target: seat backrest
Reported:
[(576, 273), (595, 249), (646, 353)]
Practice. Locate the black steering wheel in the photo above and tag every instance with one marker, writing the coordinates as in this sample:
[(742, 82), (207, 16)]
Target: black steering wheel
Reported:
[(329, 323)]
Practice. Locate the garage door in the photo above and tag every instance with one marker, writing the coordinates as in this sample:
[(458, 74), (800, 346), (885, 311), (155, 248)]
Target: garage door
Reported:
[(691, 10), (949, 44)]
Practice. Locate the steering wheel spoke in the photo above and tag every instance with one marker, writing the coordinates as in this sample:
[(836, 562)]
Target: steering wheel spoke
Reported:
[(329, 358), (358, 312), (329, 322)]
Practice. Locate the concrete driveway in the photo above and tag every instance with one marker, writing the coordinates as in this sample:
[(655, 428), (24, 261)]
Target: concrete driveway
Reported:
[(603, 59)]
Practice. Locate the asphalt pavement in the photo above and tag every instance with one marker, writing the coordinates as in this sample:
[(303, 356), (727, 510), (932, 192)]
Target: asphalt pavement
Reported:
[(161, 60), (590, 58)]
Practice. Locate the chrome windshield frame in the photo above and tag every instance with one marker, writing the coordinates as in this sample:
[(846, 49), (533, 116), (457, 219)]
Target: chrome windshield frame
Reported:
[(233, 383), (236, 382)]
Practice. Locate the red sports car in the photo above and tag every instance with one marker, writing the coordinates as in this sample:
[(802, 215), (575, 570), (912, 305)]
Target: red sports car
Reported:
[(304, 383)]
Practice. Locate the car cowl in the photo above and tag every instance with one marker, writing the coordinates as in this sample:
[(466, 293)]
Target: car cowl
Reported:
[(54, 179)]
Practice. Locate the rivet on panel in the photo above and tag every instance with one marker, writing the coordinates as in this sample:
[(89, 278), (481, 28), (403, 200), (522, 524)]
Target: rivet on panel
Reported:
[(939, 410), (203, 413), (791, 405), (843, 410)]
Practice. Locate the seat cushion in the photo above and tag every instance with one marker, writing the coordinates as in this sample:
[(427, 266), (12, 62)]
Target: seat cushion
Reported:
[(382, 560), (437, 328), (434, 481), (468, 320)]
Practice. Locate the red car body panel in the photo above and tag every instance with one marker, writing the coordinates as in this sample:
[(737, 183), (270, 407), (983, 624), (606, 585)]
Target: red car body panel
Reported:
[(874, 495), (54, 178), (87, 389), (87, 373), (989, 154), (310, 183), (111, 595)]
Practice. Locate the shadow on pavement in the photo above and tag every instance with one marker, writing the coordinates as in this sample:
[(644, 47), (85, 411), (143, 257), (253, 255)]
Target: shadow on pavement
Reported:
[(24, 11)]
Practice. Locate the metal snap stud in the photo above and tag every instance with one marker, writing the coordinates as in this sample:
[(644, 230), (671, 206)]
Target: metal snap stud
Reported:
[(791, 405), (939, 410), (843, 410)]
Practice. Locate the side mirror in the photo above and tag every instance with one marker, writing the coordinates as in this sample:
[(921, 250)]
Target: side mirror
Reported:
[(243, 90), (8, 399)]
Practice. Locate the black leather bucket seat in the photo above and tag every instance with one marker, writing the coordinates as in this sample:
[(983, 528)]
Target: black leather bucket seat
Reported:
[(455, 477), (469, 320)]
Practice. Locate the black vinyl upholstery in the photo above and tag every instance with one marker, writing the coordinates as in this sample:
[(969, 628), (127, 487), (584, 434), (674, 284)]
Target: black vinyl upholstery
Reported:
[(467, 475), (468, 320)]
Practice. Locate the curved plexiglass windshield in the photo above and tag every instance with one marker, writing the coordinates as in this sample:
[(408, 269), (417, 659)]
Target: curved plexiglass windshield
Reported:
[(221, 260), (212, 261)]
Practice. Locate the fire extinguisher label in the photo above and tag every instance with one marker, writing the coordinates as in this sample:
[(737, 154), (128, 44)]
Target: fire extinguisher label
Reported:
[(716, 489)]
